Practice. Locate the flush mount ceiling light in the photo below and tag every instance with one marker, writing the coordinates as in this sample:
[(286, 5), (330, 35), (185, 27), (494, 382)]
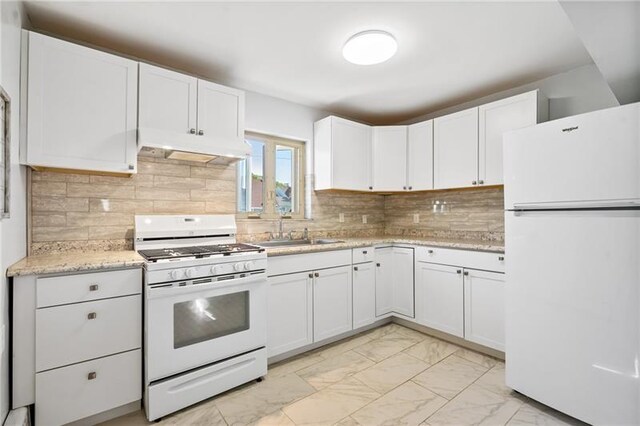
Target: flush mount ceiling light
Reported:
[(370, 47)]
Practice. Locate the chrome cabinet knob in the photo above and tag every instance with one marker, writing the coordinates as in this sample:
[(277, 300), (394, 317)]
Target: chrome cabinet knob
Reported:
[(192, 131), (200, 132)]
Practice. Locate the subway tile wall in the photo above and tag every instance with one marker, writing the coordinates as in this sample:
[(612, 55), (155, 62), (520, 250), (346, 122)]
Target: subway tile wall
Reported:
[(84, 212)]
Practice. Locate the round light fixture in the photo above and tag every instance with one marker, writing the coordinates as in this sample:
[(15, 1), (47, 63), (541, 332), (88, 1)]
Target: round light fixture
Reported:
[(370, 47)]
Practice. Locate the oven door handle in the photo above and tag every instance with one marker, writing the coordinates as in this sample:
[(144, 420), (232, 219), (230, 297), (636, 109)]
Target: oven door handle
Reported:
[(160, 291)]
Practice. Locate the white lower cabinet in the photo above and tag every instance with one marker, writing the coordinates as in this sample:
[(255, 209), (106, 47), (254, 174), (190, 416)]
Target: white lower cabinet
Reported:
[(394, 281), (484, 308), (290, 312), (440, 297), (364, 294), (332, 309)]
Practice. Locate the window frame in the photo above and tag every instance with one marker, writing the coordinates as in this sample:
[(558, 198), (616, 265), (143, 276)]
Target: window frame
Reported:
[(269, 178)]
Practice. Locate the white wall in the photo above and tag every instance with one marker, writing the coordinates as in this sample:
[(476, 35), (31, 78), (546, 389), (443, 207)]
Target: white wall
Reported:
[(13, 232), (577, 91)]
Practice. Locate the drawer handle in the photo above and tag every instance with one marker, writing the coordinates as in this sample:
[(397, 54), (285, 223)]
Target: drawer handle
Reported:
[(92, 375), (364, 252), (92, 315), (500, 258), (430, 251), (93, 287)]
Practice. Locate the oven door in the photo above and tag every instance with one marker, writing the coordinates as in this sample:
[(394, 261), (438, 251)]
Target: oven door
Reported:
[(195, 325)]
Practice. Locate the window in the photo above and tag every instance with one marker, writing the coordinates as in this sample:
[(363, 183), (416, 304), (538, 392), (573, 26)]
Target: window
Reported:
[(271, 180)]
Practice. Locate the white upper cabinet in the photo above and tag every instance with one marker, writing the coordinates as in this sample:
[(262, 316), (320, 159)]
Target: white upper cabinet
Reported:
[(342, 155), (167, 100), (81, 110), (455, 150), (420, 156), (390, 158), (220, 111), (499, 117)]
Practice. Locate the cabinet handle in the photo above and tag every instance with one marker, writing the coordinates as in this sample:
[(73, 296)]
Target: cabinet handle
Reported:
[(466, 273), (93, 287), (310, 275), (92, 315), (480, 182), (404, 187), (355, 268), (317, 274), (500, 258), (459, 271), (192, 131), (410, 188), (364, 252), (378, 265), (92, 375), (474, 183), (200, 132), (131, 167), (430, 251), (371, 187)]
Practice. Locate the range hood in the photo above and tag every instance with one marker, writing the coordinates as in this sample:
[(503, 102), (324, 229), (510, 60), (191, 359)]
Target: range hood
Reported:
[(190, 147)]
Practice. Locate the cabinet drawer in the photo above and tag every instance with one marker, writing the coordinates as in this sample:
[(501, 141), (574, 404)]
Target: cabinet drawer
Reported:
[(483, 260), (82, 331), (83, 287), (279, 265), (363, 254), (82, 390)]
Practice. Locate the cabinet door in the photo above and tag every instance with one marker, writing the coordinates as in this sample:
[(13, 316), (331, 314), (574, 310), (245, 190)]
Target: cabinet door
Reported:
[(403, 268), (220, 111), (332, 307), (495, 119), (384, 280), (420, 156), (290, 312), (167, 100), (351, 157), (81, 107), (390, 158), (455, 150), (364, 294), (484, 308), (440, 298)]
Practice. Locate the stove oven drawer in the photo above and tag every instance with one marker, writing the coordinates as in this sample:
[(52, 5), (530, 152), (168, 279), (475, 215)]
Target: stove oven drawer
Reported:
[(82, 390), (75, 333), (75, 288)]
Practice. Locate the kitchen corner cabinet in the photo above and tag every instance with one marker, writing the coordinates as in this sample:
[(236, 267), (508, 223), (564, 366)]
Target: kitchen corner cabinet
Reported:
[(332, 306), (455, 150), (81, 107), (420, 156), (389, 158), (498, 117), (290, 308), (342, 153), (394, 281)]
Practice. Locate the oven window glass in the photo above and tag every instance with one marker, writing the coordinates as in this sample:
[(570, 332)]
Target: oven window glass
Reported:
[(205, 319)]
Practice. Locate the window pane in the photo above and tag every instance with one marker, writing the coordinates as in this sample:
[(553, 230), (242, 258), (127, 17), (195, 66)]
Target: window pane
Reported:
[(285, 175), (251, 179)]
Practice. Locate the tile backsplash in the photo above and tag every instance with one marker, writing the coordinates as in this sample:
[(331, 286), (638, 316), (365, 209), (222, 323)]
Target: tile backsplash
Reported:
[(85, 212)]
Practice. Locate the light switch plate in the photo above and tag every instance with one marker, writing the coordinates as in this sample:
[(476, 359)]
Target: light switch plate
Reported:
[(416, 218), (364, 218), (341, 218)]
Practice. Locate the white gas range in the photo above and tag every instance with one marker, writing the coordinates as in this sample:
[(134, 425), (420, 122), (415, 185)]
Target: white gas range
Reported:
[(205, 309)]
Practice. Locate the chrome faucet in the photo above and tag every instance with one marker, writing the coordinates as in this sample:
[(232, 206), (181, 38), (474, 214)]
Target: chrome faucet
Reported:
[(281, 227)]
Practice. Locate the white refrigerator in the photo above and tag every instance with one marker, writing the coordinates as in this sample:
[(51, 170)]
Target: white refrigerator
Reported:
[(572, 228)]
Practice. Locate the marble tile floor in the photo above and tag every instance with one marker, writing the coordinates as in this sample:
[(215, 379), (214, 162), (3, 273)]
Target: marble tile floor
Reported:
[(390, 375)]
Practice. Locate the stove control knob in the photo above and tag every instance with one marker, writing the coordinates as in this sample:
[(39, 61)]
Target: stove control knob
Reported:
[(215, 270), (238, 267), (248, 266), (175, 274), (190, 272)]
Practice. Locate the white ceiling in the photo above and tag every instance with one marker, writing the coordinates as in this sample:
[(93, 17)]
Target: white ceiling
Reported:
[(448, 52)]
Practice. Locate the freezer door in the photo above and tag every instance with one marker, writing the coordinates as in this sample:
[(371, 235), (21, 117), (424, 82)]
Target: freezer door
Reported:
[(572, 322), (586, 158)]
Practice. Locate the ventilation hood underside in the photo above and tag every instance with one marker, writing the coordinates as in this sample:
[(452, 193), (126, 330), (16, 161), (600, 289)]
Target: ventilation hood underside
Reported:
[(191, 147)]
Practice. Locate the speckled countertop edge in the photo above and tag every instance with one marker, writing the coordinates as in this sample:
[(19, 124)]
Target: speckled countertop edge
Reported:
[(349, 243), (74, 262)]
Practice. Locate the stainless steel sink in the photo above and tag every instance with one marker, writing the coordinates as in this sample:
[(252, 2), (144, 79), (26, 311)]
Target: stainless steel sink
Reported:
[(289, 243)]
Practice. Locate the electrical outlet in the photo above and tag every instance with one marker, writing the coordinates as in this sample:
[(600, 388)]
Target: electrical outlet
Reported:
[(364, 218), (416, 218), (341, 218)]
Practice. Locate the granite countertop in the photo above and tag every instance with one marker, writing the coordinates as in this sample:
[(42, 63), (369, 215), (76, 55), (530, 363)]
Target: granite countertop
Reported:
[(74, 262), (348, 243)]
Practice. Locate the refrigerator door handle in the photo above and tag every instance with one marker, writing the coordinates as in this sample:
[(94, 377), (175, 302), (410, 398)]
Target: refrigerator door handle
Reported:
[(578, 205)]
